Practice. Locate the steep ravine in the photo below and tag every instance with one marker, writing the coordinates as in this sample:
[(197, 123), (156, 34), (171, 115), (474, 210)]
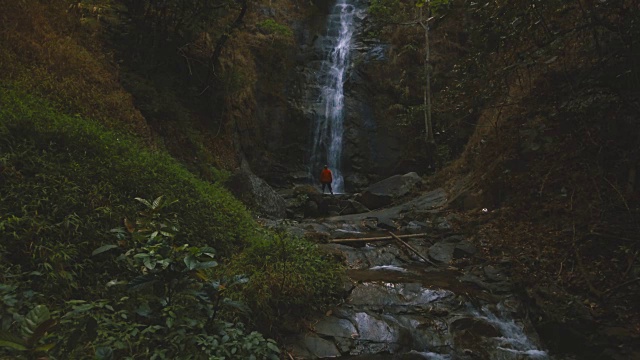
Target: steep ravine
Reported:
[(399, 306)]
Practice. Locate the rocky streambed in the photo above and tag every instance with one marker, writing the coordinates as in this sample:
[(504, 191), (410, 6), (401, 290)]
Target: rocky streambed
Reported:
[(432, 299)]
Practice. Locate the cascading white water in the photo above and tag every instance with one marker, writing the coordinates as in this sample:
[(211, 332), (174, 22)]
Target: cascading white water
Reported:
[(327, 140)]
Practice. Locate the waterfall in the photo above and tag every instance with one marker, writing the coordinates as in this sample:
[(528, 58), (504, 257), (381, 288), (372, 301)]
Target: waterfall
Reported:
[(329, 127)]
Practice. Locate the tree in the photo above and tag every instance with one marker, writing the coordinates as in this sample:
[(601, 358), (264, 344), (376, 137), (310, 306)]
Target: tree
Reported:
[(428, 124), (395, 13)]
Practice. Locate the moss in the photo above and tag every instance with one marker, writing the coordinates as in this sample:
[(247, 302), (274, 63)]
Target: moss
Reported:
[(66, 180)]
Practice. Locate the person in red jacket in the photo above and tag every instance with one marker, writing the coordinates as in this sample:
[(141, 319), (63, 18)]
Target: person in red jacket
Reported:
[(326, 178)]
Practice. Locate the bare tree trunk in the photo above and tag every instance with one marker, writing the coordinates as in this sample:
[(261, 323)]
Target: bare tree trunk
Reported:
[(428, 124), (214, 60)]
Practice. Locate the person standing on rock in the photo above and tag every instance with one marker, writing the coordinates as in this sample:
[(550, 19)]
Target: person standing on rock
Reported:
[(326, 178)]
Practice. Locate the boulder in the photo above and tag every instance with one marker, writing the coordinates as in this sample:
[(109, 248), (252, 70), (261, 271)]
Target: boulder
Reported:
[(320, 348), (442, 251), (256, 194), (384, 192)]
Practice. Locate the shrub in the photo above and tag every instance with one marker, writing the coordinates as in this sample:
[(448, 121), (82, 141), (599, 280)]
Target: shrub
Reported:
[(288, 279), (65, 179), (165, 305)]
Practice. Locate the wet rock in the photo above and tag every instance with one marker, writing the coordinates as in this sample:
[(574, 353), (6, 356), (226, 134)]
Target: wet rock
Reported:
[(355, 182), (464, 249), (415, 227), (256, 194), (286, 193), (442, 251), (301, 176), (493, 274), (377, 328), (382, 256), (476, 326), (469, 334), (429, 201), (311, 209), (321, 348), (442, 224), (334, 326), (494, 288), (386, 223), (378, 295), (386, 191), (358, 207)]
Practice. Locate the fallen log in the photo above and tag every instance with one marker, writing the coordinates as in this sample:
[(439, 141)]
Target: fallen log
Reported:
[(377, 238), (397, 238)]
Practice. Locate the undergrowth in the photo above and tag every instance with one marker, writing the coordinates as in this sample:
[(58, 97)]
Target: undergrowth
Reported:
[(67, 180)]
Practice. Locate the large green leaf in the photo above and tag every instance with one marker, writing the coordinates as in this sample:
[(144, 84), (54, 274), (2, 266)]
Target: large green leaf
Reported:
[(142, 281), (104, 353), (191, 262), (45, 347), (40, 331), (144, 201), (34, 318), (157, 202), (205, 265), (12, 341), (103, 248)]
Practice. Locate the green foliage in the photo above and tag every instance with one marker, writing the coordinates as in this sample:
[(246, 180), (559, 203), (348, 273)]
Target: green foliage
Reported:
[(66, 179), (287, 276), (32, 327), (165, 307), (271, 26)]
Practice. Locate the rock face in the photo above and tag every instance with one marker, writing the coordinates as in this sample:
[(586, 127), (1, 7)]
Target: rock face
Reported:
[(275, 124), (281, 147), (384, 192), (256, 194), (307, 202)]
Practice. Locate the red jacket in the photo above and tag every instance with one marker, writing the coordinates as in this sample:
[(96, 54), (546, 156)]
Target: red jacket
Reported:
[(326, 176)]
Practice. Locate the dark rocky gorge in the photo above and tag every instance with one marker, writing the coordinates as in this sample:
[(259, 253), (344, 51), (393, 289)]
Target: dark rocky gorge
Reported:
[(449, 302), (441, 304)]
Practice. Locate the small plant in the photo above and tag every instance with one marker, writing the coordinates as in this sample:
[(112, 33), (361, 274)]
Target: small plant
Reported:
[(174, 297), (32, 328), (288, 277), (270, 26)]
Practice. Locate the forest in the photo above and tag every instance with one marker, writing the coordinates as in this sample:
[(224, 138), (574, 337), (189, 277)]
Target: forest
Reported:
[(159, 160)]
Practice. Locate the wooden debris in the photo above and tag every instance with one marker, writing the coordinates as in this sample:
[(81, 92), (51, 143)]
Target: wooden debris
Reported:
[(397, 238), (377, 238)]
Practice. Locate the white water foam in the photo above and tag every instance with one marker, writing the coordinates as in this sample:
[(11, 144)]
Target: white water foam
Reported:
[(431, 355), (514, 339), (389, 267)]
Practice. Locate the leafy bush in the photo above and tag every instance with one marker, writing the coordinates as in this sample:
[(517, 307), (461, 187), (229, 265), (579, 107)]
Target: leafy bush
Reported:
[(65, 179), (165, 307), (288, 277)]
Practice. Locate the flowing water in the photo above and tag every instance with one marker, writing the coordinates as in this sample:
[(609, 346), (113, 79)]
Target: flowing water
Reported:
[(397, 307), (329, 127)]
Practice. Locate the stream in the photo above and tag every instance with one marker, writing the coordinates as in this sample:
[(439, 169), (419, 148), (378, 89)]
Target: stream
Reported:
[(402, 307), (399, 306)]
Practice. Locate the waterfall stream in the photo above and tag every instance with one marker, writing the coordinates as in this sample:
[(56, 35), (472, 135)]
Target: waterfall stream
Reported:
[(399, 307), (328, 134)]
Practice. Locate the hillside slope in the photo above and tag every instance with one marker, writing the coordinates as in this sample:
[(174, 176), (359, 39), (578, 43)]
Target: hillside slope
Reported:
[(535, 108)]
